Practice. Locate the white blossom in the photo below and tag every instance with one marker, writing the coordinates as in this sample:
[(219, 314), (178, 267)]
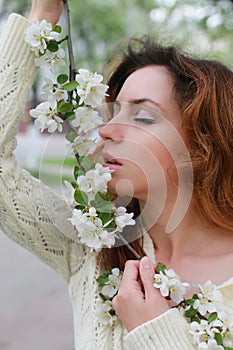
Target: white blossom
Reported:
[(85, 76), (95, 180), (51, 60), (113, 284), (86, 119), (210, 345), (91, 230), (210, 291), (104, 315), (161, 282), (90, 90), (227, 328), (52, 93), (203, 305), (228, 338), (170, 283), (123, 219), (86, 227), (107, 239), (227, 321), (38, 34), (202, 332), (46, 117), (208, 298), (177, 290), (83, 146)]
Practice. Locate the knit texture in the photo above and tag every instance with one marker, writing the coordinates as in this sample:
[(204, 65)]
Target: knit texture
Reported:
[(34, 217)]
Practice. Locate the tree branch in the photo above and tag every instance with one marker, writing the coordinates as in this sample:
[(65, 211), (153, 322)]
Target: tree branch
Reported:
[(69, 40)]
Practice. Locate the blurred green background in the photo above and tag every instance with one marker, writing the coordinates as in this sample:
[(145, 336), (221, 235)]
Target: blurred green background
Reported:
[(200, 26)]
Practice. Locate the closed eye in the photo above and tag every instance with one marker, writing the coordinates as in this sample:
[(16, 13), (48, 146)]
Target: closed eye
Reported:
[(143, 115), (147, 121)]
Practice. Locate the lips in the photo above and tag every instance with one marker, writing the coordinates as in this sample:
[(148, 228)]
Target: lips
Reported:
[(110, 160)]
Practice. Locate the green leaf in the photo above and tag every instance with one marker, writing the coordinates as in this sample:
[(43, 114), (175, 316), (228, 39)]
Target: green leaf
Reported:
[(104, 297), (218, 338), (212, 317), (101, 204), (52, 46), (103, 278), (161, 268), (189, 301), (109, 196), (227, 348), (73, 184), (56, 28), (86, 163), (71, 136), (62, 78), (105, 217), (72, 85), (81, 197), (112, 312), (70, 115), (78, 172), (191, 312), (64, 107)]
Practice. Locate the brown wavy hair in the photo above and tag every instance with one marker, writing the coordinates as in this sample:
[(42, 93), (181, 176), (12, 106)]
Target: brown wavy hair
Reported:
[(203, 89)]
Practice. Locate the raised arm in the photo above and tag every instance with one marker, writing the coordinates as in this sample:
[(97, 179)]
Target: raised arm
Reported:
[(30, 213)]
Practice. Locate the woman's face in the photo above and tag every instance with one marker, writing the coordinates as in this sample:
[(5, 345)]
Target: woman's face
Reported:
[(143, 138)]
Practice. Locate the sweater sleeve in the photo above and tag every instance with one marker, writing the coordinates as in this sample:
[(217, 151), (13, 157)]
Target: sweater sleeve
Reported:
[(31, 214), (168, 331)]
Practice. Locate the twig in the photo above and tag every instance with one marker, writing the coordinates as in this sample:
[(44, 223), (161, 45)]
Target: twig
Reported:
[(69, 40), (61, 41), (72, 77), (70, 51), (133, 251)]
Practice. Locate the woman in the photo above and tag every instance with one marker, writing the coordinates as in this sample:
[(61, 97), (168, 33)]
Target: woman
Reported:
[(161, 100)]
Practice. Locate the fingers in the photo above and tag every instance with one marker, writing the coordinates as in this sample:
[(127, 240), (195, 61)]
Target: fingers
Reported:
[(46, 9), (147, 272), (137, 300), (130, 272), (129, 284)]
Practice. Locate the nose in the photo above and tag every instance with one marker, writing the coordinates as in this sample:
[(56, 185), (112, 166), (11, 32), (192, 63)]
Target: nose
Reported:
[(112, 131)]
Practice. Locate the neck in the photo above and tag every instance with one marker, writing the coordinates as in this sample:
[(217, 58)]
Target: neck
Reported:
[(191, 237)]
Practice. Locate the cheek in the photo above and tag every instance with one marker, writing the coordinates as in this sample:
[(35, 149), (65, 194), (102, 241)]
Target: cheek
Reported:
[(164, 158), (143, 171)]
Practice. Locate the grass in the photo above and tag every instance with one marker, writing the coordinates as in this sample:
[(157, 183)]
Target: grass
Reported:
[(50, 177), (67, 162)]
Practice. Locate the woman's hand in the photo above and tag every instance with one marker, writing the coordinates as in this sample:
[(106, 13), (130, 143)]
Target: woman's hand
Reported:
[(50, 10), (137, 300)]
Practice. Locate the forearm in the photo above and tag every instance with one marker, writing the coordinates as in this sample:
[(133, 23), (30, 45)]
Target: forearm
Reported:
[(30, 213), (17, 71)]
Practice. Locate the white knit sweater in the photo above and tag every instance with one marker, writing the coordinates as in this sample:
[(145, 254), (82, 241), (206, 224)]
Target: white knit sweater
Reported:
[(34, 217)]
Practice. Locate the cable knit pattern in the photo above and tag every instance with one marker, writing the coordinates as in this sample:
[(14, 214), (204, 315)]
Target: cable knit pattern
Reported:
[(34, 217)]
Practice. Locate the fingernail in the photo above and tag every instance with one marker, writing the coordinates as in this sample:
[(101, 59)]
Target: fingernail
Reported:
[(146, 263)]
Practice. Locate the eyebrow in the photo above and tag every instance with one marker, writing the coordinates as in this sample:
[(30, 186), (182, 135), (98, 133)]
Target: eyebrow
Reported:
[(146, 99)]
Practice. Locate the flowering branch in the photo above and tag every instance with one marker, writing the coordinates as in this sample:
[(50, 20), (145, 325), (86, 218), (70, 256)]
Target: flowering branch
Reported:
[(74, 98)]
